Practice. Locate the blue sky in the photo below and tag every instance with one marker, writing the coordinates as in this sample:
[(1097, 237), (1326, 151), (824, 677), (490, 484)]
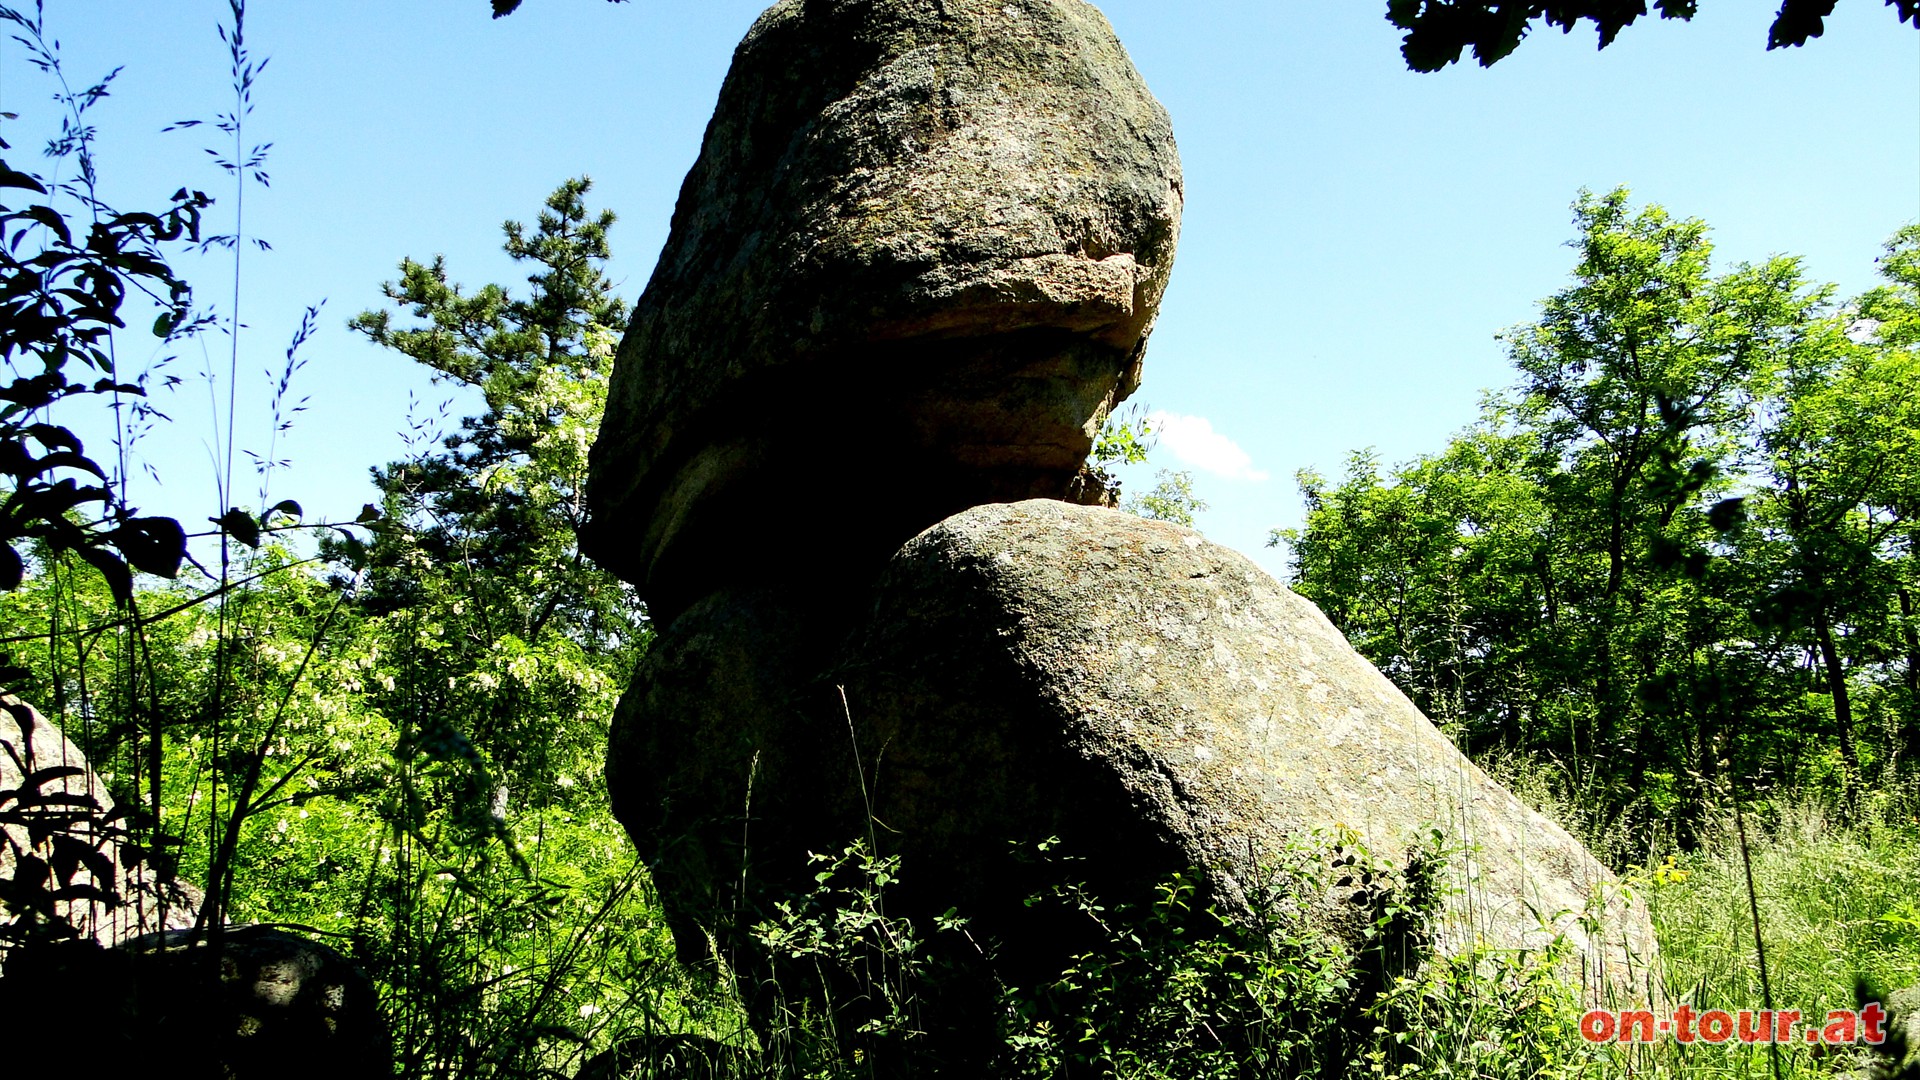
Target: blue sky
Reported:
[(1355, 233)]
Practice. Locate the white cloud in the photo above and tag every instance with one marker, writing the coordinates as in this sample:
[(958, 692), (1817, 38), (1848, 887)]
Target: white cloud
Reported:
[(1193, 442)]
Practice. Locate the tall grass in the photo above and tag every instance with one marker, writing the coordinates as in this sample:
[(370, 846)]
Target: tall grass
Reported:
[(1837, 898), (1837, 902)]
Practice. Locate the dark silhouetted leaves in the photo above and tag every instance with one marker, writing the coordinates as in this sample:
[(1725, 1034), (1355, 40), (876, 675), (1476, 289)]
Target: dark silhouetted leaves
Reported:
[(240, 525), (154, 545), (508, 7), (60, 300), (15, 179), (1438, 31), (111, 567)]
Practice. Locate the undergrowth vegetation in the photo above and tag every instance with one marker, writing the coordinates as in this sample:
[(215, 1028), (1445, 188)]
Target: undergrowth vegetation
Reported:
[(1837, 903)]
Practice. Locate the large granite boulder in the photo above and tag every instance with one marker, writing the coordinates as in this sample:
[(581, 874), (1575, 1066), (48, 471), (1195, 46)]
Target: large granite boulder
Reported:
[(1037, 670), (66, 859), (1168, 703), (921, 250)]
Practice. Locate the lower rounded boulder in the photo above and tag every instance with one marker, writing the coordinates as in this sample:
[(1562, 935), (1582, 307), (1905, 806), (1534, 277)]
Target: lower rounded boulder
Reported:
[(1039, 669)]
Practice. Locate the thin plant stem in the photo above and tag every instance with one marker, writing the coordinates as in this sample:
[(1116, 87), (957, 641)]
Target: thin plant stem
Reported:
[(1759, 943)]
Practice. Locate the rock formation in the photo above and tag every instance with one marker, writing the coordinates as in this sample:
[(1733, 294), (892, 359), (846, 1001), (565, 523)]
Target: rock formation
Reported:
[(919, 257), (1038, 669), (105, 968)]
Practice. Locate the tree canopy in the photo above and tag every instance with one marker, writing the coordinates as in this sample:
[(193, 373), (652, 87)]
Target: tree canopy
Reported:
[(1438, 31), (1679, 552)]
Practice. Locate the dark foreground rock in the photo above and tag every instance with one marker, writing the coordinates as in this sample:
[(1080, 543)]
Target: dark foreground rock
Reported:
[(1899, 1057), (921, 250), (726, 762), (266, 1005)]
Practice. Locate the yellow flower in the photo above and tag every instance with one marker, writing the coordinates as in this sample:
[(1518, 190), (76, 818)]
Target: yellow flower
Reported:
[(1669, 874)]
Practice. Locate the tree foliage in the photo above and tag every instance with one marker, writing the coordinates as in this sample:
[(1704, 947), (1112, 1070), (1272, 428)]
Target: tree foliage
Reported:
[(1171, 499), (1678, 553), (408, 752), (1438, 31), (500, 652), (503, 497)]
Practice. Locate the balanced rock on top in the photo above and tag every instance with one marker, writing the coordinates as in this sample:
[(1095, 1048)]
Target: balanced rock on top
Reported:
[(918, 259)]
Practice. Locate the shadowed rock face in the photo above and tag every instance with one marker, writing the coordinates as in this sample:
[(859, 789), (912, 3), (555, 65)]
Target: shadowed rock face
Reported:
[(919, 255), (728, 763)]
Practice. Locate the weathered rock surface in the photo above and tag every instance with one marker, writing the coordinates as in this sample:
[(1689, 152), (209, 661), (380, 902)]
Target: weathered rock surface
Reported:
[(1037, 669), (63, 825), (264, 1005), (922, 249)]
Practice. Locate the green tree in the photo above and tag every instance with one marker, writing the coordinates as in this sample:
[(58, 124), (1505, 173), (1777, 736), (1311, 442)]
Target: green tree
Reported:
[(1844, 431), (504, 498), (1434, 573), (499, 655), (1172, 499), (1897, 306), (1638, 378), (1844, 466), (1621, 564)]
